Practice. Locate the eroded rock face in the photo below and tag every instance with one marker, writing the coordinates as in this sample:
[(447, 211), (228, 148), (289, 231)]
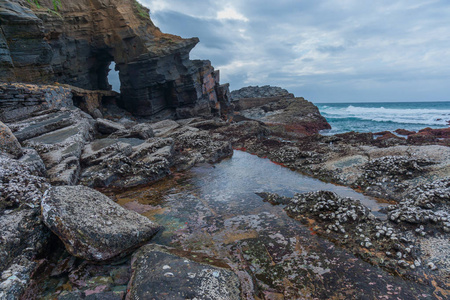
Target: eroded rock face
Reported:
[(91, 225), (20, 101), (287, 115), (158, 274), (76, 45)]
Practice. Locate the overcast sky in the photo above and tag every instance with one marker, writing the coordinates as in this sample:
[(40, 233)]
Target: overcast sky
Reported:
[(325, 51)]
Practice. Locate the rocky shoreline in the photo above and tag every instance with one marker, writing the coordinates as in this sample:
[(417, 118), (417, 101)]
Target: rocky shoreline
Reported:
[(66, 146), (70, 152)]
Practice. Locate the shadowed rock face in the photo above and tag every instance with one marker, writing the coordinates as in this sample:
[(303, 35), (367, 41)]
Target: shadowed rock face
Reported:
[(76, 45)]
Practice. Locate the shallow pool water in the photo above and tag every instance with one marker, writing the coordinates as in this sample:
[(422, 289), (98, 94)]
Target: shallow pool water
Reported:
[(214, 210)]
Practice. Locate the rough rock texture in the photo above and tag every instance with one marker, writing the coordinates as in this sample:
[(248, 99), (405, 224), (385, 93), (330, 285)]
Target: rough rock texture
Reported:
[(59, 137), (192, 144), (91, 225), (8, 142), (134, 157), (76, 44), (126, 162), (158, 274), (23, 235), (350, 224), (266, 91), (19, 101), (140, 131)]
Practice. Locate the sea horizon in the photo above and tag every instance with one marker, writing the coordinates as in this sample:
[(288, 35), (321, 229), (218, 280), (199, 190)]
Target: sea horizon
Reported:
[(384, 116)]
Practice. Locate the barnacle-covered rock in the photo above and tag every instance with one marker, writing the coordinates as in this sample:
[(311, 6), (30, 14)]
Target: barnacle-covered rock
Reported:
[(91, 225)]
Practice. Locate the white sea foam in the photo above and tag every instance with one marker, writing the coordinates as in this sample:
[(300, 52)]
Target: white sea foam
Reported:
[(381, 114)]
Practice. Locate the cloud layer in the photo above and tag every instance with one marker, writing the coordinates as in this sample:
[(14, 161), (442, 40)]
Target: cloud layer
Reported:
[(324, 50)]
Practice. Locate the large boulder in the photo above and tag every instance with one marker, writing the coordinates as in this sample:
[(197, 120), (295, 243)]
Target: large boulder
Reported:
[(158, 274), (8, 142), (92, 226)]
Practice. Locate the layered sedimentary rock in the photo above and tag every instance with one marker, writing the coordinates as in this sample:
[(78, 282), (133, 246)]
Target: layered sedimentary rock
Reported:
[(74, 43)]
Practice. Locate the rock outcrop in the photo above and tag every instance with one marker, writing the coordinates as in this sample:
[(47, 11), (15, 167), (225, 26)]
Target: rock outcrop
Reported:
[(91, 225), (290, 116), (266, 91), (75, 42), (126, 162)]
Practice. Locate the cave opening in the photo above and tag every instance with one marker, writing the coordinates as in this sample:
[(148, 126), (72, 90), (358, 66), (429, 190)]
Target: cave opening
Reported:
[(104, 74), (113, 77)]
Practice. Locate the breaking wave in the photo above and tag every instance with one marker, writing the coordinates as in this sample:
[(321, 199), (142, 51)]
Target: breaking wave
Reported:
[(422, 116)]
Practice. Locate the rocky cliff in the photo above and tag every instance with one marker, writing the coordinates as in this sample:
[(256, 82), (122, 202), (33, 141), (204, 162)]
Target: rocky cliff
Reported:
[(74, 42)]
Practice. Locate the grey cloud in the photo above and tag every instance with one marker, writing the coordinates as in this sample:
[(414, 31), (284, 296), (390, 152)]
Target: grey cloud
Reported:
[(324, 50)]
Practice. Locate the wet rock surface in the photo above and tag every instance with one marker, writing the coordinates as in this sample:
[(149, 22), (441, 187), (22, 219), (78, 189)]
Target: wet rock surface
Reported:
[(91, 225), (267, 249), (350, 224), (159, 274), (62, 276)]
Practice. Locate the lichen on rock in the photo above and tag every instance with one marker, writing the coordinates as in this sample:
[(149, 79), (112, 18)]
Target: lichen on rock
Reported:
[(91, 225)]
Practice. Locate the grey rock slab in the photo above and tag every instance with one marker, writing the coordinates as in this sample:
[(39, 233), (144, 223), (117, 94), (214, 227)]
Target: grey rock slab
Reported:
[(158, 274), (91, 225), (107, 126), (163, 128), (126, 162), (40, 125)]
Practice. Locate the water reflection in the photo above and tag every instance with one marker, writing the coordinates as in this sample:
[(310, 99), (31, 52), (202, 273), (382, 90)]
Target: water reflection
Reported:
[(214, 210), (247, 174)]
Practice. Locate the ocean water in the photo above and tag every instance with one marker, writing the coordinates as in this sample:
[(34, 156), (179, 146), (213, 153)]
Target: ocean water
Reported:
[(375, 117)]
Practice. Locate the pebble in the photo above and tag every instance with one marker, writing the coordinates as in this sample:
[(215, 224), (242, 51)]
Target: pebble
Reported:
[(432, 266)]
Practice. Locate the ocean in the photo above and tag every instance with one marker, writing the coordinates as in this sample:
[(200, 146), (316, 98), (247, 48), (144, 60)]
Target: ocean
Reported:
[(385, 116)]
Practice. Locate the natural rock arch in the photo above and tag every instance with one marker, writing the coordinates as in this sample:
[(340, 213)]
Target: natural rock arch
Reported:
[(76, 44)]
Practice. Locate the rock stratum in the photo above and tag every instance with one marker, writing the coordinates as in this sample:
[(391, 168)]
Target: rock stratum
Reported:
[(74, 42)]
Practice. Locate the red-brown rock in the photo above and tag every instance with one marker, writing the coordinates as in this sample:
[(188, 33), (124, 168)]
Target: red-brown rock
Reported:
[(404, 132)]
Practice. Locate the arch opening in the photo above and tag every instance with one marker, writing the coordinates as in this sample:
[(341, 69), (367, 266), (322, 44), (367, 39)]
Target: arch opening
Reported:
[(113, 77)]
